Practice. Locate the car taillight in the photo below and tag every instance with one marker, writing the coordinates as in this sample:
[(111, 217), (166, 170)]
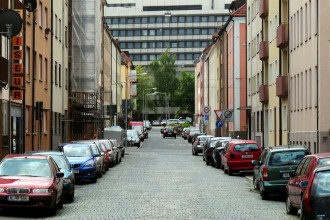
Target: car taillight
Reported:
[(232, 156), (164, 131), (307, 196), (265, 173)]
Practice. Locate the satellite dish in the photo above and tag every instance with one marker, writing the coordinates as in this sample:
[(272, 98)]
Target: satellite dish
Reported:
[(31, 5), (10, 16)]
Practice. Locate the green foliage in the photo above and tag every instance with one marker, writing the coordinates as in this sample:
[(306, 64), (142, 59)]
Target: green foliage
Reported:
[(185, 94), (144, 82)]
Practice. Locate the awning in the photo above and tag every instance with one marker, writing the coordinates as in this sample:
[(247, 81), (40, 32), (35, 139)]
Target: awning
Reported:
[(244, 108)]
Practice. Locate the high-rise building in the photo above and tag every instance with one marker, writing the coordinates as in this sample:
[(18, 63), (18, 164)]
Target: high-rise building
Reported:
[(147, 27)]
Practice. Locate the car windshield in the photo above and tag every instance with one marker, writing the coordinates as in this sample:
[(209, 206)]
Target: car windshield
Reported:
[(203, 139), (131, 133), (324, 161), (321, 184), (246, 147), (213, 143), (76, 151), (106, 144), (25, 167), (283, 158), (60, 161)]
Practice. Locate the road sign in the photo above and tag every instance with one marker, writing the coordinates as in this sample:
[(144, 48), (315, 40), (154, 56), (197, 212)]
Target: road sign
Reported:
[(228, 115), (218, 113), (218, 124), (206, 110), (206, 117)]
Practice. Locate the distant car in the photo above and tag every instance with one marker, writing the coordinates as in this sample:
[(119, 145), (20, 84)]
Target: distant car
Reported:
[(147, 124), (155, 123), (117, 150), (169, 132), (65, 167), (105, 143), (304, 172), (163, 122), (272, 169), (31, 181), (198, 144), (238, 156), (83, 160), (316, 199), (133, 138), (191, 134)]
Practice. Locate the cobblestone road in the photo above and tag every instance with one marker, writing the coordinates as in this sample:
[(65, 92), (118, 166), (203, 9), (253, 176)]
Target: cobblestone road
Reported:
[(162, 180)]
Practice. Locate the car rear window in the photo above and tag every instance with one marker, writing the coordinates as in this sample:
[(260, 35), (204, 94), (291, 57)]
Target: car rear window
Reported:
[(282, 158), (203, 138), (321, 184), (246, 147), (324, 161)]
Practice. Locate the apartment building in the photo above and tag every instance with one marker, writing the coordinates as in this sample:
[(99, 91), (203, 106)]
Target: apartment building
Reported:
[(183, 26)]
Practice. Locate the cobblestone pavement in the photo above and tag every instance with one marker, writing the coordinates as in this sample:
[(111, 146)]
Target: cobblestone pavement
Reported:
[(163, 180)]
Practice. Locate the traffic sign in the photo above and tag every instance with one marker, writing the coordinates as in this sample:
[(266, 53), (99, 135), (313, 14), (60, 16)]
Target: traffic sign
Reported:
[(206, 110), (218, 113), (228, 115), (218, 124), (206, 117)]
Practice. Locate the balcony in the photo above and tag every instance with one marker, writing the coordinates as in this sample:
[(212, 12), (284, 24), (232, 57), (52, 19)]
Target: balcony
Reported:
[(282, 36), (282, 86), (263, 50), (263, 94), (263, 10)]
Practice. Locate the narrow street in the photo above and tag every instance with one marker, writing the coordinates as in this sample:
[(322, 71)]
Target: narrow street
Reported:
[(163, 180)]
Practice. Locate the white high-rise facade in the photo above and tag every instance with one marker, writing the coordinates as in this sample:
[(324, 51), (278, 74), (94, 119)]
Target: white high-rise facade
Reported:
[(146, 28)]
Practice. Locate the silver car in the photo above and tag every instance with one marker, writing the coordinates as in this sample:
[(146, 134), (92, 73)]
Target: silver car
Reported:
[(198, 144), (133, 138)]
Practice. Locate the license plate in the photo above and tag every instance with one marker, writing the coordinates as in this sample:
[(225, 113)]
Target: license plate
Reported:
[(18, 198), (247, 156), (75, 171), (285, 175)]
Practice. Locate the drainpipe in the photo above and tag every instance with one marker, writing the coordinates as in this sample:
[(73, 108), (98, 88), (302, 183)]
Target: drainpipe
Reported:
[(280, 74), (51, 77), (263, 105), (317, 80), (33, 80)]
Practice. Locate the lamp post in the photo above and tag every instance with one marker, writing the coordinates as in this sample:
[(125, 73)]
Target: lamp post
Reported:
[(143, 102)]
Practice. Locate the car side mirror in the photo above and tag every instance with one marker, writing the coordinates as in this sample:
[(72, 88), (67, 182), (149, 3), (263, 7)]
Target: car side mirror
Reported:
[(59, 174), (303, 184)]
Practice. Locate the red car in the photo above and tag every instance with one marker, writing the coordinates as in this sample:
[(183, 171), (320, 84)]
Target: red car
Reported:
[(304, 172), (32, 181), (238, 156)]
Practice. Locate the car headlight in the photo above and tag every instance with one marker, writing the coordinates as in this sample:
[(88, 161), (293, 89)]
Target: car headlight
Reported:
[(42, 190), (89, 164), (2, 190)]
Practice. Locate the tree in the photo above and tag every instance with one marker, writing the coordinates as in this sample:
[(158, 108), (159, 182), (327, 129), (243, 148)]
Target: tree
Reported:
[(164, 73), (185, 94)]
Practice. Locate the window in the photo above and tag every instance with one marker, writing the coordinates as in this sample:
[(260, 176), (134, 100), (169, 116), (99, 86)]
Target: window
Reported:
[(122, 20), (46, 18), (60, 75), (174, 19), (189, 19), (189, 31), (137, 20), (130, 33), (144, 57), (27, 62), (55, 75), (66, 78), (144, 20), (151, 57), (137, 57), (159, 44), (159, 19), (152, 45), (174, 31), (203, 19), (144, 32), (55, 26), (44, 117), (181, 56), (212, 18), (66, 36), (115, 21), (40, 68), (46, 71), (196, 31), (166, 32), (115, 33), (152, 32), (181, 19), (122, 45), (196, 18), (130, 20), (284, 117), (137, 45), (189, 56), (189, 43), (122, 33), (152, 20), (166, 44), (27, 116), (174, 44), (60, 30), (40, 15), (137, 32), (167, 20), (4, 117), (182, 44)]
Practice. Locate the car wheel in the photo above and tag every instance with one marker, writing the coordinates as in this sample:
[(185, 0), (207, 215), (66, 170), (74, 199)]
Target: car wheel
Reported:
[(94, 180), (60, 203), (230, 171), (100, 174), (104, 169), (53, 209), (71, 197), (207, 162), (263, 193), (289, 208), (255, 183), (123, 153)]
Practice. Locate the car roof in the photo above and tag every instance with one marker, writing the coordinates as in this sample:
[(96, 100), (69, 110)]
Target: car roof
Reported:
[(45, 152), (243, 142), (287, 147), (319, 155), (76, 144), (322, 168), (34, 156)]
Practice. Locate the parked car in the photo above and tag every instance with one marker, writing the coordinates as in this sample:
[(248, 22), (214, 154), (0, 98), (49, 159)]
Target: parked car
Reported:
[(304, 172), (65, 167), (101, 164), (139, 126), (83, 159), (194, 137), (219, 151), (238, 156), (155, 123), (105, 149), (191, 134), (147, 124), (116, 133), (163, 122), (133, 138), (208, 148), (169, 132), (112, 153), (117, 150), (31, 181), (316, 199), (198, 144), (272, 169)]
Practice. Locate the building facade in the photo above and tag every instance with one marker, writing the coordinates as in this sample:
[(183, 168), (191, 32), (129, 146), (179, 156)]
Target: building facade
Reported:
[(153, 26)]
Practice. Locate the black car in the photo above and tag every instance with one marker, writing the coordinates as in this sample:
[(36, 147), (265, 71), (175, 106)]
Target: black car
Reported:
[(208, 148), (169, 132), (218, 150), (316, 198)]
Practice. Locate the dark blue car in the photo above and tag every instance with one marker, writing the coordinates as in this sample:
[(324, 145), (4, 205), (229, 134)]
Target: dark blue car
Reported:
[(65, 167), (82, 160)]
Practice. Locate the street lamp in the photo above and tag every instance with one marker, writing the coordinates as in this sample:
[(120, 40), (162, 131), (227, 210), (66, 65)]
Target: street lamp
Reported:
[(163, 93), (143, 102)]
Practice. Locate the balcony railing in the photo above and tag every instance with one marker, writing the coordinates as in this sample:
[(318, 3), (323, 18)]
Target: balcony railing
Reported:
[(282, 36), (263, 11), (263, 94), (263, 50), (282, 86)]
